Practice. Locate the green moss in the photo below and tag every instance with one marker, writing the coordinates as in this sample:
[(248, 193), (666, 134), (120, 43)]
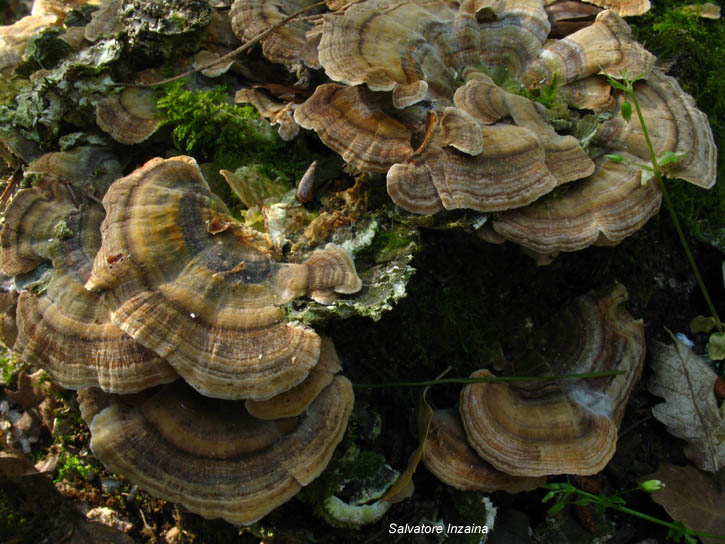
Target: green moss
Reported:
[(365, 466), (71, 466), (206, 125), (9, 367)]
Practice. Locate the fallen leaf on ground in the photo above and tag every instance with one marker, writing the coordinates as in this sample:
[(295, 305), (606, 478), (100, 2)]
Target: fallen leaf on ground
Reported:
[(29, 393), (690, 409), (403, 486), (690, 496)]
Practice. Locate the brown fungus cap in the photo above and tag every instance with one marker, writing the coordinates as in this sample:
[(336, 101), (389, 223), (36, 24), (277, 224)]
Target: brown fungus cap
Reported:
[(568, 16), (88, 169), (211, 456), (602, 209), (354, 123), (591, 93), (192, 284), (489, 103), (448, 456), (387, 45), (67, 331), (287, 45), (277, 112), (510, 172), (674, 124), (511, 34), (606, 47), (325, 273), (130, 116), (34, 224), (624, 8), (564, 427), (295, 401), (415, 49)]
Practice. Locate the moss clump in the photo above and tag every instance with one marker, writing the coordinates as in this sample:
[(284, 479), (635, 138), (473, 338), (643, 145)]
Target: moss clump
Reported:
[(71, 466), (10, 366), (211, 128)]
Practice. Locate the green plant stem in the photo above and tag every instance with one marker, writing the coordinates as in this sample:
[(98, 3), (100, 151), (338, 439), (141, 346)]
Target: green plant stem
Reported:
[(492, 379), (642, 515), (671, 210)]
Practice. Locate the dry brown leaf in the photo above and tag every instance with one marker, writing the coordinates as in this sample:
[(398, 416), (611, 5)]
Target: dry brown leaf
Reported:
[(29, 392), (403, 486), (691, 497), (690, 409)]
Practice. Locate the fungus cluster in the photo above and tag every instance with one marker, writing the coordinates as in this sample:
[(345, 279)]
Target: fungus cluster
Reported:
[(160, 282), (172, 317), (508, 436), (483, 106)]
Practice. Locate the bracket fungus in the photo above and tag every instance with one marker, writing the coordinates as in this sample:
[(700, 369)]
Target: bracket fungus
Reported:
[(296, 400), (68, 331), (61, 327), (625, 8), (30, 221), (400, 67), (561, 428), (14, 38), (448, 456), (602, 209), (353, 122), (288, 44), (276, 112), (130, 116), (201, 290), (606, 46), (212, 456), (674, 124)]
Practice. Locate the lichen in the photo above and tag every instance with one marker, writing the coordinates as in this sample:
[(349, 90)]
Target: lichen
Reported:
[(61, 230), (384, 252), (158, 30), (66, 95)]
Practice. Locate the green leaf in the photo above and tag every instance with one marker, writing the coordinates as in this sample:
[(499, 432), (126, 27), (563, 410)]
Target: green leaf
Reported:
[(716, 346), (550, 495), (558, 507), (702, 324), (626, 109), (615, 158), (670, 157), (616, 84)]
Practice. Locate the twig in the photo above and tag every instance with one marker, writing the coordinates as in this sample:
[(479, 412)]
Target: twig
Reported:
[(241, 49), (492, 379)]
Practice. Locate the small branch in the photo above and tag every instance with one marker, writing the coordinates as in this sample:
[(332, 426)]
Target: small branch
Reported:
[(492, 379)]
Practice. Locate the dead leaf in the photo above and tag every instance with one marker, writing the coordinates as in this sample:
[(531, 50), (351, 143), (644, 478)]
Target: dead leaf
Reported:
[(690, 496), (690, 409), (29, 393), (403, 486), (32, 389)]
